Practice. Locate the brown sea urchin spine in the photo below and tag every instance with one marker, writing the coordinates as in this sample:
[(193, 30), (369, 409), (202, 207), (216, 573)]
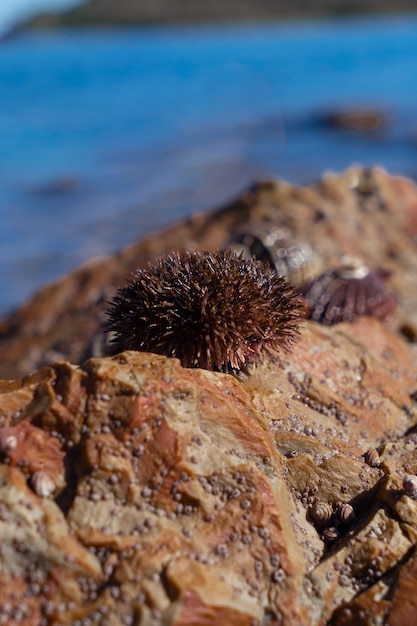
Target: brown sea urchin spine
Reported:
[(216, 311)]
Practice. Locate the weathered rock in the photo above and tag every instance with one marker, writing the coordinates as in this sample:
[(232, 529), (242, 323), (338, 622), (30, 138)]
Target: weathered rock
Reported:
[(134, 491), (185, 496), (363, 213), (359, 120)]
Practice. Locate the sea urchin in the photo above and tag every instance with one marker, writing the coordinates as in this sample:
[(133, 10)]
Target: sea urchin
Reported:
[(217, 311)]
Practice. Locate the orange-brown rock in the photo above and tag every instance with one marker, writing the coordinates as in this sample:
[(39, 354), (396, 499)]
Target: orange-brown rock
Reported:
[(363, 212), (366, 120), (134, 491), (187, 496)]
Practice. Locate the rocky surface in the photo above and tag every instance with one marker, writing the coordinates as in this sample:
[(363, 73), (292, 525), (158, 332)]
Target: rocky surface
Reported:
[(357, 120), (134, 491), (364, 213)]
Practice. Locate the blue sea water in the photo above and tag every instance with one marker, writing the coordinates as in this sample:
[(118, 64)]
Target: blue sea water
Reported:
[(106, 135)]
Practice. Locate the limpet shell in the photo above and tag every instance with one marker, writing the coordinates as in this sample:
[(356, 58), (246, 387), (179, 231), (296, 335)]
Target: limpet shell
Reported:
[(292, 259), (330, 534), (345, 513), (372, 457), (321, 512), (344, 294)]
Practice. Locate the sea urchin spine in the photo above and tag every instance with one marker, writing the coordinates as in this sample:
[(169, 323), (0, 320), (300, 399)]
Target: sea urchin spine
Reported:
[(217, 311)]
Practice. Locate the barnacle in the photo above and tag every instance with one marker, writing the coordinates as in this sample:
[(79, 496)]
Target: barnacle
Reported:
[(216, 311)]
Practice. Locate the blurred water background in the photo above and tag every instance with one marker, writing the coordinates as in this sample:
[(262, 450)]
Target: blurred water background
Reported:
[(106, 135)]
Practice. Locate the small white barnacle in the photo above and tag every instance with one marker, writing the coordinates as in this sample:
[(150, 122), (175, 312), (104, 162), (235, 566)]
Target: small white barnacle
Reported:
[(42, 484), (410, 485), (8, 441)]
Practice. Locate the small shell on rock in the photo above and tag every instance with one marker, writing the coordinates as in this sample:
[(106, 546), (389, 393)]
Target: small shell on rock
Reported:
[(42, 484), (330, 534), (8, 441), (372, 457), (344, 294), (366, 186), (410, 485), (345, 513), (294, 260), (321, 512)]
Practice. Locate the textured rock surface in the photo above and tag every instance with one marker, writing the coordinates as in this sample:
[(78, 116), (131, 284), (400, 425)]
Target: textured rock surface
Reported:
[(365, 213), (134, 491), (183, 496)]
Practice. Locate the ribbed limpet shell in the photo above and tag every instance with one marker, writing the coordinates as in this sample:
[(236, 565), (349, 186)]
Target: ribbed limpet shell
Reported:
[(344, 294), (372, 457), (321, 512), (330, 534), (292, 259), (345, 513)]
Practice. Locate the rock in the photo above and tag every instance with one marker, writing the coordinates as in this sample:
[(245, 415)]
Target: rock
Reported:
[(59, 186), (364, 213), (110, 12), (133, 490), (184, 496), (365, 120)]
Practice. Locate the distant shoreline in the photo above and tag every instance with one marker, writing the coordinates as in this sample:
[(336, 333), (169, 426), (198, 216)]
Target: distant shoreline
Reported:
[(153, 12)]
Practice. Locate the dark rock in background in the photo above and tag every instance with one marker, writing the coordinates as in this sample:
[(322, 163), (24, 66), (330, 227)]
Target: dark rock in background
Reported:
[(180, 11)]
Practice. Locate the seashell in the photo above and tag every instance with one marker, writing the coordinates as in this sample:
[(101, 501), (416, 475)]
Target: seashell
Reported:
[(42, 484), (8, 441), (345, 513), (294, 260), (330, 534), (321, 512), (344, 294), (410, 485), (372, 457), (366, 186)]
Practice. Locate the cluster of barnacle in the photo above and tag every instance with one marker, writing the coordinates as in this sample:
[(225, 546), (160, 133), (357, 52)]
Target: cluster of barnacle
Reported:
[(340, 294), (331, 520), (334, 520)]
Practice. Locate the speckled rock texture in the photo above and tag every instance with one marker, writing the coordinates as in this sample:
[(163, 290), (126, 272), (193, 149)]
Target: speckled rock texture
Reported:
[(136, 492)]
